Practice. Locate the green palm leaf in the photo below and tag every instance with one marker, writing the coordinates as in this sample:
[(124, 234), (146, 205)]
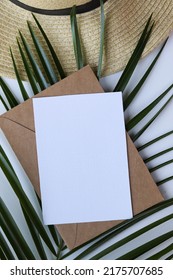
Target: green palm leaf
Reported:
[(144, 146), (170, 257), (55, 235), (2, 255), (13, 233), (35, 235), (146, 247), (109, 234), (158, 155), (52, 77), (160, 254), (160, 165), (6, 249), (164, 181), (29, 73), (4, 103), (135, 120), (134, 59), (8, 93), (60, 249), (31, 227), (135, 91), (130, 237), (141, 131), (53, 231), (21, 86), (76, 39), (54, 56), (102, 34), (36, 69), (25, 202)]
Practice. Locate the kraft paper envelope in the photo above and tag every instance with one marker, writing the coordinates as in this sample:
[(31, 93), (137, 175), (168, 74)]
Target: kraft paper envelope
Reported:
[(18, 126)]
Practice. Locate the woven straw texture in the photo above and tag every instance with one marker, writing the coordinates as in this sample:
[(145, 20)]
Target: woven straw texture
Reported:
[(125, 20), (54, 4)]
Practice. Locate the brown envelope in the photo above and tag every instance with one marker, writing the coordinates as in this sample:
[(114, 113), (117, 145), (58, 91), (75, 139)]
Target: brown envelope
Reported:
[(18, 126)]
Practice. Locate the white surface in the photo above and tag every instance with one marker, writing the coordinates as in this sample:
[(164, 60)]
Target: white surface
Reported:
[(82, 156)]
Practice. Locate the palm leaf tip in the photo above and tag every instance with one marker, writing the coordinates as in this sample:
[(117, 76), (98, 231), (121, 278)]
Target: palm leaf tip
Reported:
[(137, 88), (52, 77), (135, 57), (21, 86), (36, 69), (51, 49), (29, 73)]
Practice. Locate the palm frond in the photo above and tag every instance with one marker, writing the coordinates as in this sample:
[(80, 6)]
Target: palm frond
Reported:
[(2, 255), (76, 39), (160, 165), (129, 238), (25, 202), (35, 236), (51, 49), (160, 254), (164, 181), (34, 232), (158, 155), (4, 103), (53, 231), (21, 86), (134, 59), (6, 249), (55, 235), (146, 247), (52, 77), (142, 130), (142, 114), (109, 234), (13, 234), (144, 146), (36, 69), (60, 249), (8, 94), (135, 91), (29, 73), (170, 257), (102, 34)]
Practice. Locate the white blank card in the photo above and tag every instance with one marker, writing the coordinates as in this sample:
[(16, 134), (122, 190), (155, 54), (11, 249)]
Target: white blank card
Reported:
[(82, 158)]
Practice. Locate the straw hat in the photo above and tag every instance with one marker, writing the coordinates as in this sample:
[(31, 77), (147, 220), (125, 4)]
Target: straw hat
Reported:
[(125, 20)]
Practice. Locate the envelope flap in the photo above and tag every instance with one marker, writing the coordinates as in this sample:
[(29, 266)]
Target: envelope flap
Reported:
[(82, 81)]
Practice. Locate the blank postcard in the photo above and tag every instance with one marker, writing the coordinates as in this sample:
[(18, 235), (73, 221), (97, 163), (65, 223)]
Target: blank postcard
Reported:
[(82, 158)]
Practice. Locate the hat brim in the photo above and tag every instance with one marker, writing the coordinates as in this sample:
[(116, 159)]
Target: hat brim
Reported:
[(125, 21)]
